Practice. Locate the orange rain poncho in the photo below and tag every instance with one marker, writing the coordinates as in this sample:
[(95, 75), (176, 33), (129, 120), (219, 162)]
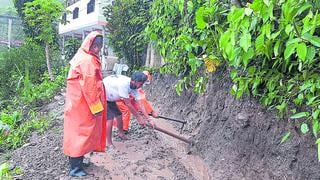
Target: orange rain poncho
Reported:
[(83, 132), (125, 110)]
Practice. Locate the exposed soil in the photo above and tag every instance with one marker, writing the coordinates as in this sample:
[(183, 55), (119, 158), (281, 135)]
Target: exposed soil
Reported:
[(236, 139), (146, 155)]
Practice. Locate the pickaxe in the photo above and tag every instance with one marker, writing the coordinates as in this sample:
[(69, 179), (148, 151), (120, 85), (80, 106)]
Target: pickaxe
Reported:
[(173, 119)]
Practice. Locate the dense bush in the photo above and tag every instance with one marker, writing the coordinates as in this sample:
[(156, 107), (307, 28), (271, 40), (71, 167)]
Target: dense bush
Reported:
[(16, 64), (37, 94), (186, 34)]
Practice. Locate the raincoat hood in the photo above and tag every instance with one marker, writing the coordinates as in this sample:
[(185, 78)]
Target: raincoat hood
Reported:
[(89, 40), (85, 46)]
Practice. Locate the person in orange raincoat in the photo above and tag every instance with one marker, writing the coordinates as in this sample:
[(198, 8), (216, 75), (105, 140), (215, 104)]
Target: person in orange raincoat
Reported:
[(85, 107), (144, 104)]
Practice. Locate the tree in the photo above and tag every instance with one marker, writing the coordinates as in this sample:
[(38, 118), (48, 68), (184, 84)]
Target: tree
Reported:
[(43, 16), (127, 20)]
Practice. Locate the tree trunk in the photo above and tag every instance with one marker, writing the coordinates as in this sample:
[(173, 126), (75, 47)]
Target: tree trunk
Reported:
[(48, 61)]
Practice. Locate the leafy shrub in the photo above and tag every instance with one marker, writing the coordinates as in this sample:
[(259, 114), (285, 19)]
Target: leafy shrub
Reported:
[(10, 119), (38, 93), (71, 47), (14, 131), (17, 63), (273, 49), (186, 35), (6, 172)]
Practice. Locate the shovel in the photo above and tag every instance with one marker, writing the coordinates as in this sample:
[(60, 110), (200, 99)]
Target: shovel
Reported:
[(172, 134)]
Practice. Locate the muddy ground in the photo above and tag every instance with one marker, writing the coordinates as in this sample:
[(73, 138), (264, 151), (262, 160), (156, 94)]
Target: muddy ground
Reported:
[(234, 139), (146, 155)]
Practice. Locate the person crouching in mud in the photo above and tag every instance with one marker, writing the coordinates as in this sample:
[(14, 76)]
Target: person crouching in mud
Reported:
[(145, 108), (120, 87)]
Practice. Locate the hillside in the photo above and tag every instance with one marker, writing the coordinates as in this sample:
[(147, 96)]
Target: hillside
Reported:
[(232, 140)]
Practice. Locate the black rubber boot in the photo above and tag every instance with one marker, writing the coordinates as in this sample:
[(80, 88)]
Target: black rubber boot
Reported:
[(76, 169), (86, 162)]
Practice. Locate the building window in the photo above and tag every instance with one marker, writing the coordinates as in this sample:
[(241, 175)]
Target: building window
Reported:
[(90, 6), (64, 17), (75, 13)]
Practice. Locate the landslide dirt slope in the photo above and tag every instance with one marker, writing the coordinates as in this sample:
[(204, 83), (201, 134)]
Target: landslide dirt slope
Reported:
[(238, 139)]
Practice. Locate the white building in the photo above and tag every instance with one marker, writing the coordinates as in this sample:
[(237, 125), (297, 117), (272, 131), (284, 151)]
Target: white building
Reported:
[(87, 16)]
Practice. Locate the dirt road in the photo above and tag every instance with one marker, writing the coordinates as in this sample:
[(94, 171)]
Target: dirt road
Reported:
[(146, 155)]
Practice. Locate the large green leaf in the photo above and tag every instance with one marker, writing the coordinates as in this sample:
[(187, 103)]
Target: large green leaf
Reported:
[(259, 43), (276, 48), (289, 51), (299, 115), (311, 53), (201, 24), (247, 56), (245, 41), (302, 51), (312, 39)]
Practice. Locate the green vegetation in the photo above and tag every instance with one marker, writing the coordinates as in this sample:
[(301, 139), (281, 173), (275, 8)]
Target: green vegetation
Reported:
[(41, 93), (14, 131), (271, 49), (19, 66), (26, 82), (186, 35), (42, 16), (126, 23), (7, 172), (71, 47)]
